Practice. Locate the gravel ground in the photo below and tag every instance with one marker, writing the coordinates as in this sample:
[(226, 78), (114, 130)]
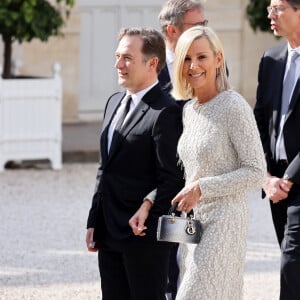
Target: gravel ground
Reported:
[(42, 238)]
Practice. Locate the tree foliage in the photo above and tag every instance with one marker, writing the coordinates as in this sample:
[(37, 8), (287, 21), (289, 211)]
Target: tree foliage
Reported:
[(24, 20), (256, 13)]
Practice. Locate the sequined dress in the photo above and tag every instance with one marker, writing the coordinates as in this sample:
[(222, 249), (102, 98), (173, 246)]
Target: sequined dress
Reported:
[(220, 147)]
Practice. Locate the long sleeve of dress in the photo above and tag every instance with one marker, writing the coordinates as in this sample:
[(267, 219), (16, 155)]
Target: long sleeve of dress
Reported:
[(242, 133)]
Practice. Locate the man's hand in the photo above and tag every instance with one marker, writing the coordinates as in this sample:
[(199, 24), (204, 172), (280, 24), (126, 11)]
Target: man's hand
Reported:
[(89, 240), (276, 189), (188, 197), (137, 221)]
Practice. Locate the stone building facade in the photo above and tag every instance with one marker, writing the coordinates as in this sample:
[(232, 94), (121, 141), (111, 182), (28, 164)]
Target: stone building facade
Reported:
[(86, 51)]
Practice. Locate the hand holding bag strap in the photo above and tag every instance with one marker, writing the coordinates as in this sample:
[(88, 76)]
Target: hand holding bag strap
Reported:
[(173, 211)]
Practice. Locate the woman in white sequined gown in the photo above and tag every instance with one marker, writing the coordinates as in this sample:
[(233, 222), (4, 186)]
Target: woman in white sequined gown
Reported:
[(222, 155)]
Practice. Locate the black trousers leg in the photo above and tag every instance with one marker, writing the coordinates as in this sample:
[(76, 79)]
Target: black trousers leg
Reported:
[(147, 270), (173, 272), (114, 282), (279, 210), (279, 216), (290, 256), (134, 270)]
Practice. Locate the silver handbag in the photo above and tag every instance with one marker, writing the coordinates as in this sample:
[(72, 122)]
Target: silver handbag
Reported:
[(175, 229)]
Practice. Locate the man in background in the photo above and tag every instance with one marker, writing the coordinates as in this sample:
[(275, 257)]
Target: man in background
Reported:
[(175, 17), (277, 113)]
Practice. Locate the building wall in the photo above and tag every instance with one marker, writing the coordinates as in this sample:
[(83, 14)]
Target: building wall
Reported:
[(38, 58), (86, 52)]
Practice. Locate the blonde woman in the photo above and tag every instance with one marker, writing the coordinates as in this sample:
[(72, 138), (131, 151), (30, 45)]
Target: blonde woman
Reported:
[(222, 156)]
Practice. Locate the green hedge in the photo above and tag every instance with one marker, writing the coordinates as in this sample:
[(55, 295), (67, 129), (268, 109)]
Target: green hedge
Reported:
[(257, 15)]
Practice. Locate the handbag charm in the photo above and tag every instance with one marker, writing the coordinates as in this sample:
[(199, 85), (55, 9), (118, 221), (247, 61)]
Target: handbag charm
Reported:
[(190, 229)]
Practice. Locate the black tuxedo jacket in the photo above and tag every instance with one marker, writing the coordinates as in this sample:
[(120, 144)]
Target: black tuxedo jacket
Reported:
[(143, 158), (267, 110), (165, 80)]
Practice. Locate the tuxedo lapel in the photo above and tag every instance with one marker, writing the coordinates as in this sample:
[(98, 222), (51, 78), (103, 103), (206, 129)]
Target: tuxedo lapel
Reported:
[(277, 67), (135, 117), (279, 73), (295, 98), (165, 80), (109, 114), (104, 145), (164, 77)]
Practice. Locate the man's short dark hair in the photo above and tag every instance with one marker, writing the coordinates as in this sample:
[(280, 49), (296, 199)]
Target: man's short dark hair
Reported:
[(153, 43)]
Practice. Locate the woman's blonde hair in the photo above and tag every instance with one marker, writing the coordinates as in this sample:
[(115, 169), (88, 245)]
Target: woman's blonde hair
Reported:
[(182, 90)]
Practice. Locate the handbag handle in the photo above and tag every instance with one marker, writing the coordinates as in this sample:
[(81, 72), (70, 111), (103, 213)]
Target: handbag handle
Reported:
[(173, 211)]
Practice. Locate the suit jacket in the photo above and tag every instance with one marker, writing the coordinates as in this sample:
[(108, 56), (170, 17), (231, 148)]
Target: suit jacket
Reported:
[(143, 158), (267, 110), (165, 79)]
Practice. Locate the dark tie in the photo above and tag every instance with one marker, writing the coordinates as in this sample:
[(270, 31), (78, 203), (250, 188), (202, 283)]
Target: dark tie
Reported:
[(123, 114), (120, 121), (288, 84)]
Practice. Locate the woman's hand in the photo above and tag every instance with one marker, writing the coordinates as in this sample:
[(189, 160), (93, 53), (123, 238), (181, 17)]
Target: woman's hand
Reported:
[(188, 197)]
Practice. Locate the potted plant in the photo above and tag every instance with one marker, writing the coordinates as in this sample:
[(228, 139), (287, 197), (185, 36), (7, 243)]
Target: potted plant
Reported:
[(24, 20), (30, 108)]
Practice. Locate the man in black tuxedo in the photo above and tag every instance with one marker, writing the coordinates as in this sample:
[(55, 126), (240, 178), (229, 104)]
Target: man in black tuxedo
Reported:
[(135, 159), (277, 113)]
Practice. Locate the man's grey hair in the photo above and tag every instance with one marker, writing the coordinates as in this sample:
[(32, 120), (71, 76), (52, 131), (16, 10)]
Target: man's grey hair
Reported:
[(294, 3), (173, 11)]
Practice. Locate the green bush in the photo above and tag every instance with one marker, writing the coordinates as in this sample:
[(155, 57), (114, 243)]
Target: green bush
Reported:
[(24, 20), (256, 13)]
